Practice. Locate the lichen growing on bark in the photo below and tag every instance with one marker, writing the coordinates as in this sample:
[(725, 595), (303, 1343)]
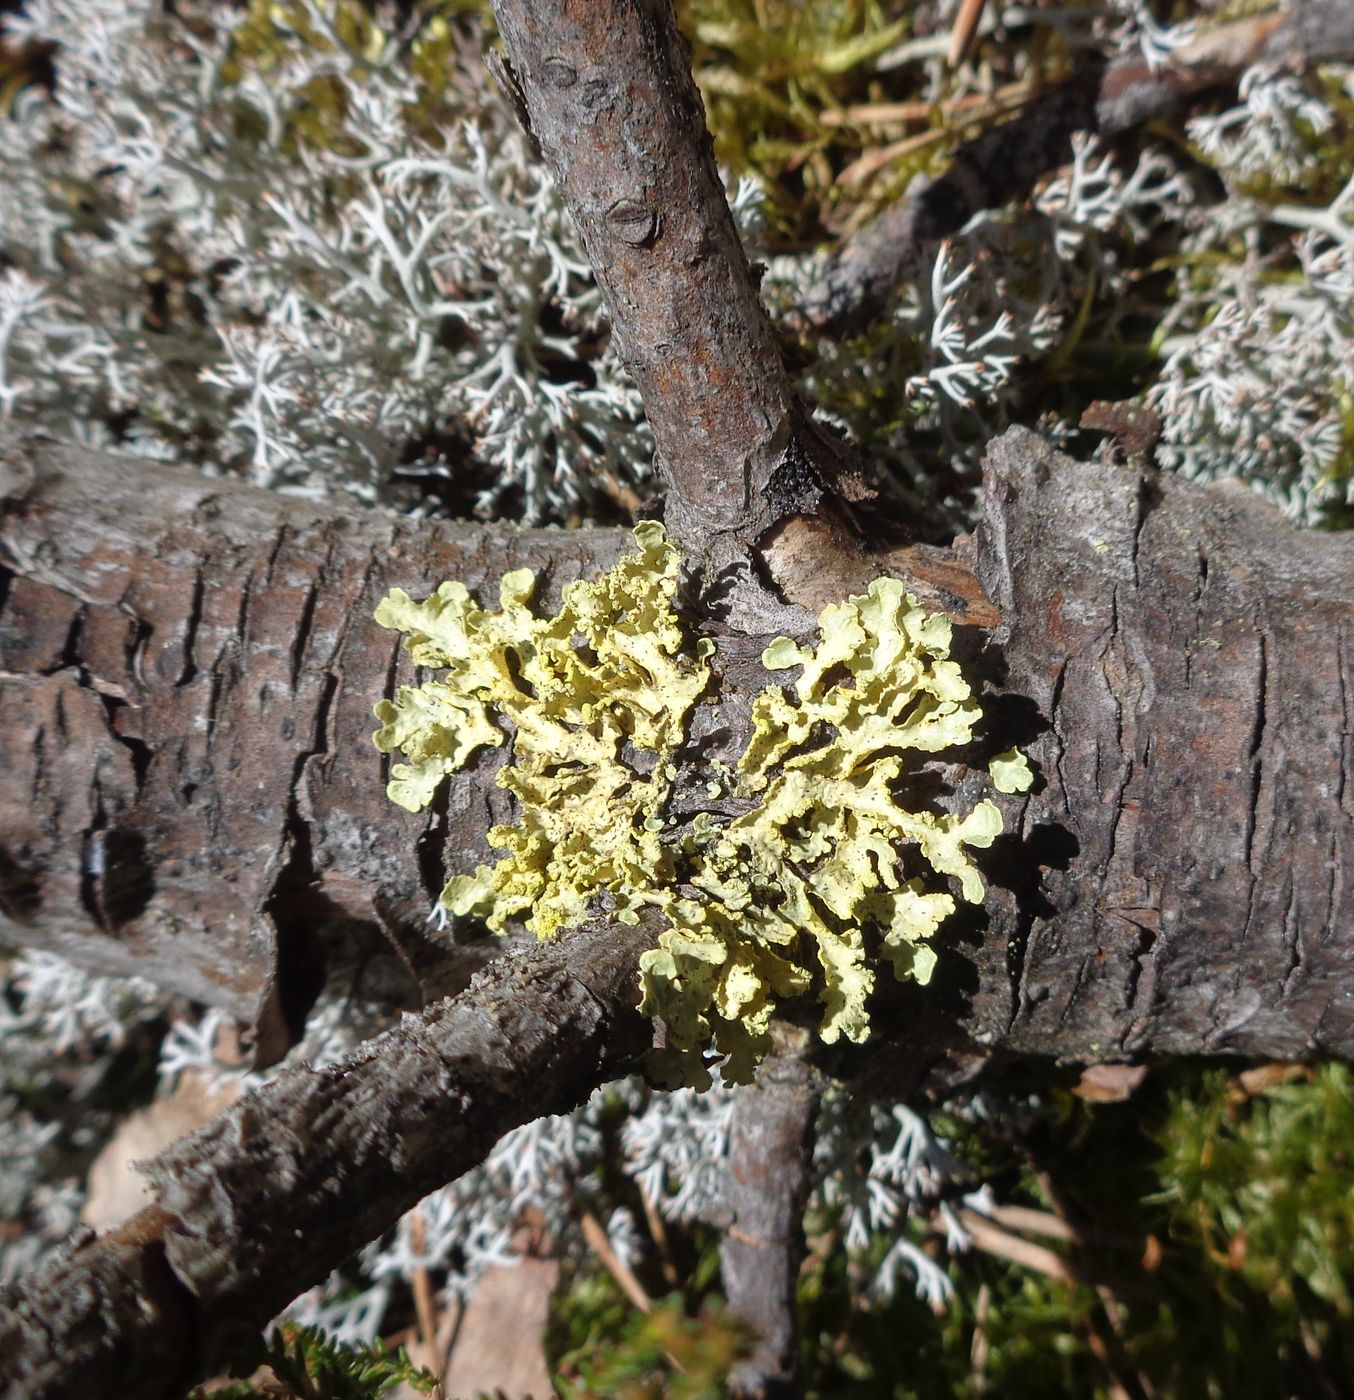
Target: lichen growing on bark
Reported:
[(818, 873)]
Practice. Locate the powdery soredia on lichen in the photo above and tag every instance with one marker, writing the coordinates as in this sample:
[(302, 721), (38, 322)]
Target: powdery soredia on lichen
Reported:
[(792, 895)]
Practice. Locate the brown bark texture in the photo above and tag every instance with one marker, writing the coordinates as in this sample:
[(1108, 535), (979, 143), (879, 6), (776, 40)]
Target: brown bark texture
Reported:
[(607, 92), (1176, 659), (187, 670), (1181, 876), (290, 1181), (766, 1189)]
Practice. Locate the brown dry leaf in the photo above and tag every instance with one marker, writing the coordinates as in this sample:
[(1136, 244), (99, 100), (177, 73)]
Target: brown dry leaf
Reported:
[(499, 1345), (1109, 1083), (116, 1189)]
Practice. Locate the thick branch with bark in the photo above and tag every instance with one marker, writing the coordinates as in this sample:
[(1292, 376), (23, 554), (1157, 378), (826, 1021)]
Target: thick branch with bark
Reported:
[(1178, 659), (288, 1183), (607, 91), (187, 670), (1192, 655)]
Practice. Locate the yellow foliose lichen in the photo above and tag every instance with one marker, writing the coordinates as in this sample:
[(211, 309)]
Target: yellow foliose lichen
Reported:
[(813, 872), (597, 697), (819, 871)]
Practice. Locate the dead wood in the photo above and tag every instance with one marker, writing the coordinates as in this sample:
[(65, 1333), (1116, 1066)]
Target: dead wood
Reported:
[(294, 1178)]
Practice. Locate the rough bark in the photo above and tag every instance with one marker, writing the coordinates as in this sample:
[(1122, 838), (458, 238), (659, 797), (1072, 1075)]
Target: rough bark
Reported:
[(864, 271), (187, 670), (292, 1180), (766, 1190), (607, 92), (1177, 658), (1180, 663), (1192, 656)]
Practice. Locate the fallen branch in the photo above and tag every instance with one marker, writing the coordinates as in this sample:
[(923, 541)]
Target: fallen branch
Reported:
[(293, 1179)]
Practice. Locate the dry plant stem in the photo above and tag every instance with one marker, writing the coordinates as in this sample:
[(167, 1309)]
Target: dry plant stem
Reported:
[(425, 1304), (965, 27), (608, 92), (1004, 163), (658, 1231), (272, 1195), (1001, 1244), (770, 1156), (612, 1262)]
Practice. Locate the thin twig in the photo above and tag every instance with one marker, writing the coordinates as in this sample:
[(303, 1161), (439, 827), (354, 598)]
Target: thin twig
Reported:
[(965, 27), (612, 1262), (658, 1232), (425, 1306)]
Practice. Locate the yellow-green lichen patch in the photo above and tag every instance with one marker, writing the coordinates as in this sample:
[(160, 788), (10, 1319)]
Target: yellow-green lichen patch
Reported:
[(794, 891), (822, 872), (1011, 772), (597, 698)]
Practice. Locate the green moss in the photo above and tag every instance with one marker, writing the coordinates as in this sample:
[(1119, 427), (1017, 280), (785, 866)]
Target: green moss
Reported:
[(770, 72), (271, 30), (602, 1346), (306, 1363)]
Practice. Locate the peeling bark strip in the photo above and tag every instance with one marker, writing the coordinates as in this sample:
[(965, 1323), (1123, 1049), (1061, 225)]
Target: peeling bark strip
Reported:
[(187, 669), (292, 1180), (1193, 656), (608, 90)]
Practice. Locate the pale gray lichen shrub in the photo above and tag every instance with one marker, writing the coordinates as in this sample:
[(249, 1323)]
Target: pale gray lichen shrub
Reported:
[(1225, 300), (250, 239), (60, 1031)]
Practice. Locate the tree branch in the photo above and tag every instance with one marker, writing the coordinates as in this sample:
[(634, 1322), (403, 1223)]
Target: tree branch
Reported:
[(1179, 662), (609, 96), (187, 670), (296, 1177), (767, 1187), (1176, 658)]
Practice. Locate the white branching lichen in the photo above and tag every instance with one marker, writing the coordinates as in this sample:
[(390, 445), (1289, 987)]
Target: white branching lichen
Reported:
[(297, 242)]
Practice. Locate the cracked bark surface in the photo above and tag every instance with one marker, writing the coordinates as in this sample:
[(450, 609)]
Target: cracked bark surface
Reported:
[(1193, 658), (187, 669), (1179, 661)]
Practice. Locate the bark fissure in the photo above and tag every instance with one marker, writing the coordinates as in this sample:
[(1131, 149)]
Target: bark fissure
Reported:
[(190, 627)]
